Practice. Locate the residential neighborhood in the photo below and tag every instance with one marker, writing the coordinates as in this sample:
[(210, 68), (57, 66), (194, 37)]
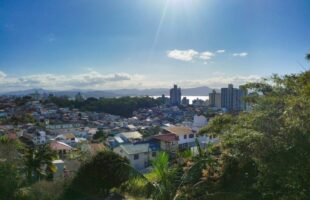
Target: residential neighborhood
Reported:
[(169, 127)]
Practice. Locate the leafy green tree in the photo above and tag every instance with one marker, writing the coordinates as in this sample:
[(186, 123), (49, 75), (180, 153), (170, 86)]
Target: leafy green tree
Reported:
[(98, 176), (100, 135), (10, 160), (10, 150), (264, 154), (165, 185), (123, 106), (160, 184), (10, 180), (41, 190), (39, 162)]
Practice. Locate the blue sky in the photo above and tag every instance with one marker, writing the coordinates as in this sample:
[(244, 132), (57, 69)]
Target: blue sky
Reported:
[(107, 44)]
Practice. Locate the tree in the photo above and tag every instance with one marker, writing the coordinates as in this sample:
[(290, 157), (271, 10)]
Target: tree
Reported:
[(41, 190), (39, 162), (9, 180), (160, 184), (100, 135), (10, 150), (98, 176), (264, 154), (165, 176)]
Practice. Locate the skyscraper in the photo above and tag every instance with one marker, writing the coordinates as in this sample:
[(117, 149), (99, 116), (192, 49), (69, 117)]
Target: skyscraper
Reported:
[(232, 98), (215, 99), (175, 95)]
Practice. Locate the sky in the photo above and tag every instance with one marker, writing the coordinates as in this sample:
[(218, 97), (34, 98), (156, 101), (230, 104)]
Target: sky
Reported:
[(113, 44)]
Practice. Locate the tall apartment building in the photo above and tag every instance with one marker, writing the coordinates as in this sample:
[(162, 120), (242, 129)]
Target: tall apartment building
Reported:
[(232, 98), (175, 95), (215, 99)]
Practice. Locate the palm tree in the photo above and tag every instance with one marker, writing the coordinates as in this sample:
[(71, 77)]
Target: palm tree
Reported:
[(164, 188), (39, 162), (158, 184)]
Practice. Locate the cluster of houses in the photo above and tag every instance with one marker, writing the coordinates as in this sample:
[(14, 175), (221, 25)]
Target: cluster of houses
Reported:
[(67, 130), (171, 139)]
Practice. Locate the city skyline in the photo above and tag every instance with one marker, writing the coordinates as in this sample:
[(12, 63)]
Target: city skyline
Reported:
[(63, 45)]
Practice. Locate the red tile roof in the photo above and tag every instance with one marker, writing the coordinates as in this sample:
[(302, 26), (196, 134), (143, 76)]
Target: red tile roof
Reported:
[(12, 136), (55, 145)]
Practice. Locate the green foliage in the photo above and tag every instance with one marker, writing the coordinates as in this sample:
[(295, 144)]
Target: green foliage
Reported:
[(161, 183), (123, 106), (98, 176), (38, 162), (137, 186), (265, 153), (100, 135), (20, 119), (42, 190), (166, 178), (218, 125), (20, 101), (9, 180), (10, 150)]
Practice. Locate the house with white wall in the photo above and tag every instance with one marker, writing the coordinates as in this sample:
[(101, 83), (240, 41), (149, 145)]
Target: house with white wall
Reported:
[(139, 155), (186, 137), (39, 138)]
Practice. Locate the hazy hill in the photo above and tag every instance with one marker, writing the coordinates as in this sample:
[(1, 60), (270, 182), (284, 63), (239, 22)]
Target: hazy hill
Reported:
[(198, 91)]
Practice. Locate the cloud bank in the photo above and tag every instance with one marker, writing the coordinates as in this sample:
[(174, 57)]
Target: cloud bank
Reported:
[(97, 81), (88, 80)]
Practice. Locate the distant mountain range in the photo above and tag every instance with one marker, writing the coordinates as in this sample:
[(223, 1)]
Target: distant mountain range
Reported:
[(198, 91)]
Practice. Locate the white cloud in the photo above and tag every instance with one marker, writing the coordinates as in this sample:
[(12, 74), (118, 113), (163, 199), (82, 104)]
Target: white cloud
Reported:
[(207, 55), (221, 51), (88, 80), (98, 81), (190, 55), (184, 55), (242, 54)]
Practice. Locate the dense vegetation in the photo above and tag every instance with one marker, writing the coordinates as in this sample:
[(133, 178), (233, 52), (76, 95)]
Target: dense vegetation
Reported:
[(22, 167), (123, 106), (265, 154), (98, 176)]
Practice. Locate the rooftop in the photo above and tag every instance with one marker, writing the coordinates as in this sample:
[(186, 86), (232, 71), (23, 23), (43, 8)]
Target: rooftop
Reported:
[(170, 137), (132, 135), (178, 130), (135, 148), (56, 145)]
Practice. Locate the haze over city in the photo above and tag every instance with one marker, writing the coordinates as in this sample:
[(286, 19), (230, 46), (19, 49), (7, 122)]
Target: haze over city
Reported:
[(79, 44)]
